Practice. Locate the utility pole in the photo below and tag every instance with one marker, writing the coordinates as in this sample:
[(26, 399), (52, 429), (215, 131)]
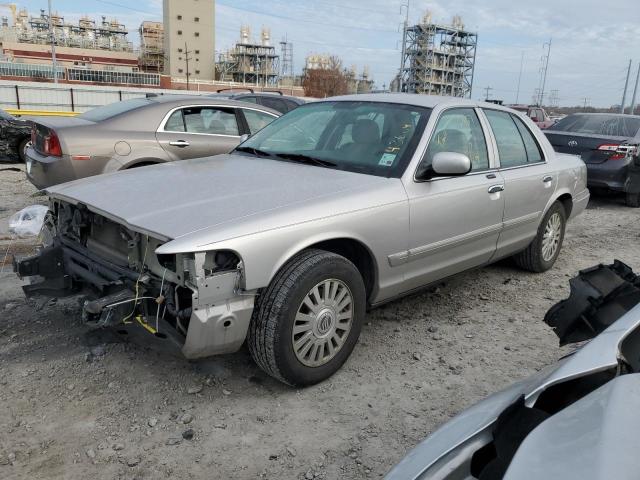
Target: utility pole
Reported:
[(626, 84), (487, 90), (186, 61), (404, 41), (635, 91), (52, 33), (546, 67), (519, 78), (586, 100)]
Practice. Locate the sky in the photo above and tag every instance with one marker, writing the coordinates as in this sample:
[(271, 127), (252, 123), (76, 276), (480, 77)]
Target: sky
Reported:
[(591, 41)]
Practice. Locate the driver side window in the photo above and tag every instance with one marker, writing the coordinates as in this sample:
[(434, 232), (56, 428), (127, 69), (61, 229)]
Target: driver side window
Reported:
[(458, 130)]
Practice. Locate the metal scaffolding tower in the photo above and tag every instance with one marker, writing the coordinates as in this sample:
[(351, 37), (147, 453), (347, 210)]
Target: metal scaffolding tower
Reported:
[(250, 62), (286, 65), (151, 47), (439, 59)]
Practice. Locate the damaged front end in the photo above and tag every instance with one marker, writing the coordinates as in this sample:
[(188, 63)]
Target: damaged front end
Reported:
[(194, 299)]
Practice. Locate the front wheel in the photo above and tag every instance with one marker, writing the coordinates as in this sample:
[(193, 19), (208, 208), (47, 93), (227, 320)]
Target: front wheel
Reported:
[(543, 251), (307, 321), (633, 200)]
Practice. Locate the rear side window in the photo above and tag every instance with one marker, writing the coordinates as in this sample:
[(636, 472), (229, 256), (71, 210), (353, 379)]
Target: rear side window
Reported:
[(248, 99), (534, 153), (511, 149), (175, 123), (291, 105), (210, 120), (274, 103), (257, 120)]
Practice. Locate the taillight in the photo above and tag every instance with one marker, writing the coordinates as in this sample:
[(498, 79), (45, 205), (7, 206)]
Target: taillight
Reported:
[(52, 145), (618, 153)]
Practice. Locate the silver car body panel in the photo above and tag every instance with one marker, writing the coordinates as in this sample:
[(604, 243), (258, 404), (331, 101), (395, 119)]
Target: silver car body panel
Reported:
[(596, 438), (449, 447)]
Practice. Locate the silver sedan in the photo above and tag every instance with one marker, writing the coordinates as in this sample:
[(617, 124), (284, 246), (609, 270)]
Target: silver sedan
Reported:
[(336, 207), (138, 132)]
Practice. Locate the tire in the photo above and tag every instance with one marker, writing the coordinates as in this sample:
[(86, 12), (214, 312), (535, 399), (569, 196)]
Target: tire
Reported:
[(271, 331), (633, 200), (533, 257), (22, 149)]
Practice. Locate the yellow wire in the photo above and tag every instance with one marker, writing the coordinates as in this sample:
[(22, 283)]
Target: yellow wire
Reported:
[(135, 302)]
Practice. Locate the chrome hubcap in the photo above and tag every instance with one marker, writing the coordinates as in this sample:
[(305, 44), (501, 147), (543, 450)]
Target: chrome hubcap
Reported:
[(551, 237), (322, 322)]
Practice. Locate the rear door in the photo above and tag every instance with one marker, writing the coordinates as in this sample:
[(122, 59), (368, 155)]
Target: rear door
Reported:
[(199, 131), (528, 180)]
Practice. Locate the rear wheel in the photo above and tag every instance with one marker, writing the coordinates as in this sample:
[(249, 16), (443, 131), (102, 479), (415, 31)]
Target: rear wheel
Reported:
[(307, 321), (633, 200), (543, 251), (22, 149)]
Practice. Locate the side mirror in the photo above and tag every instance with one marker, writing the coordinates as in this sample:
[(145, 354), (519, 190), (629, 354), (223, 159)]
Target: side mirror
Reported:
[(449, 164), (244, 137)]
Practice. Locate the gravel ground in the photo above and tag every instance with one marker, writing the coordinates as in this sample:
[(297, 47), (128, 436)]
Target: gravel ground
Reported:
[(82, 404)]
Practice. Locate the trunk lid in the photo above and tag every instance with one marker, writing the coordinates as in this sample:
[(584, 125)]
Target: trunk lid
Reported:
[(584, 145)]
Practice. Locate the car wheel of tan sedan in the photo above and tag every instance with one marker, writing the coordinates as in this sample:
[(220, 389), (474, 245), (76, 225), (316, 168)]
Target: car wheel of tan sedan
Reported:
[(542, 253), (307, 322)]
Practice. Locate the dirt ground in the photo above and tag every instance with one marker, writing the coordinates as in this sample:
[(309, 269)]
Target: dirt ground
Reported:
[(82, 404)]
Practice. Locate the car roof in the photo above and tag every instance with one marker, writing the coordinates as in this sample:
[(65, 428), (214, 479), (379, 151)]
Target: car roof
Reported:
[(419, 100), (178, 100), (232, 95)]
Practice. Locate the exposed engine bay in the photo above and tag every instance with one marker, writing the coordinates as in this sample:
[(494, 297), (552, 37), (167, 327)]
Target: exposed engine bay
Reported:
[(195, 299)]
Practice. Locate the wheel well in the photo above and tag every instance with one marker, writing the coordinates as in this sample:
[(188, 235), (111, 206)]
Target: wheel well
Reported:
[(567, 202), (144, 163), (355, 252)]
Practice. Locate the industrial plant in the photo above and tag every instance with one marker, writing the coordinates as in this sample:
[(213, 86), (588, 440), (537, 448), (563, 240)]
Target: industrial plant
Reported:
[(438, 59), (249, 61)]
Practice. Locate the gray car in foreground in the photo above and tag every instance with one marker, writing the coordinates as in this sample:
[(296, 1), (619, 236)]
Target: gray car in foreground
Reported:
[(139, 132), (575, 420), (337, 206)]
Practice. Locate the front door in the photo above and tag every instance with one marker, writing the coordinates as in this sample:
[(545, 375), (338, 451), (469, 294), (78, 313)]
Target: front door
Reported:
[(199, 131), (455, 221), (528, 181)]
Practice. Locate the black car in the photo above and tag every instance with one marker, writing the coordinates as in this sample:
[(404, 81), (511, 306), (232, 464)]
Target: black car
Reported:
[(275, 100), (15, 136), (607, 144)]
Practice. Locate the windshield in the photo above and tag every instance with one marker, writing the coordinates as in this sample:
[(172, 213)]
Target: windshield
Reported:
[(369, 137), (103, 113), (608, 125)]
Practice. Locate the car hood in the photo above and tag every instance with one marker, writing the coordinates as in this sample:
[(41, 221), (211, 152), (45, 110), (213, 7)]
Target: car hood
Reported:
[(202, 201), (601, 353)]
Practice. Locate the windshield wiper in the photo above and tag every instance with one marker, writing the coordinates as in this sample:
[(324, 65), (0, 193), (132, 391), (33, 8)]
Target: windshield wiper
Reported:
[(255, 151), (299, 157)]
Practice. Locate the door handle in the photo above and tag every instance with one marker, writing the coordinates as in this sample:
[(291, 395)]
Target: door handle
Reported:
[(179, 143), (496, 188), (547, 179)]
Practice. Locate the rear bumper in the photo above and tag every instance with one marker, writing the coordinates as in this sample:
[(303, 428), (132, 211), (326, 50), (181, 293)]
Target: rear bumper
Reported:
[(611, 174), (44, 171), (580, 202)]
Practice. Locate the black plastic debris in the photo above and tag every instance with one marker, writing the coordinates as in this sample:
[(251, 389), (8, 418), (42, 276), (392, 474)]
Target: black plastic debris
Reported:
[(599, 296)]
